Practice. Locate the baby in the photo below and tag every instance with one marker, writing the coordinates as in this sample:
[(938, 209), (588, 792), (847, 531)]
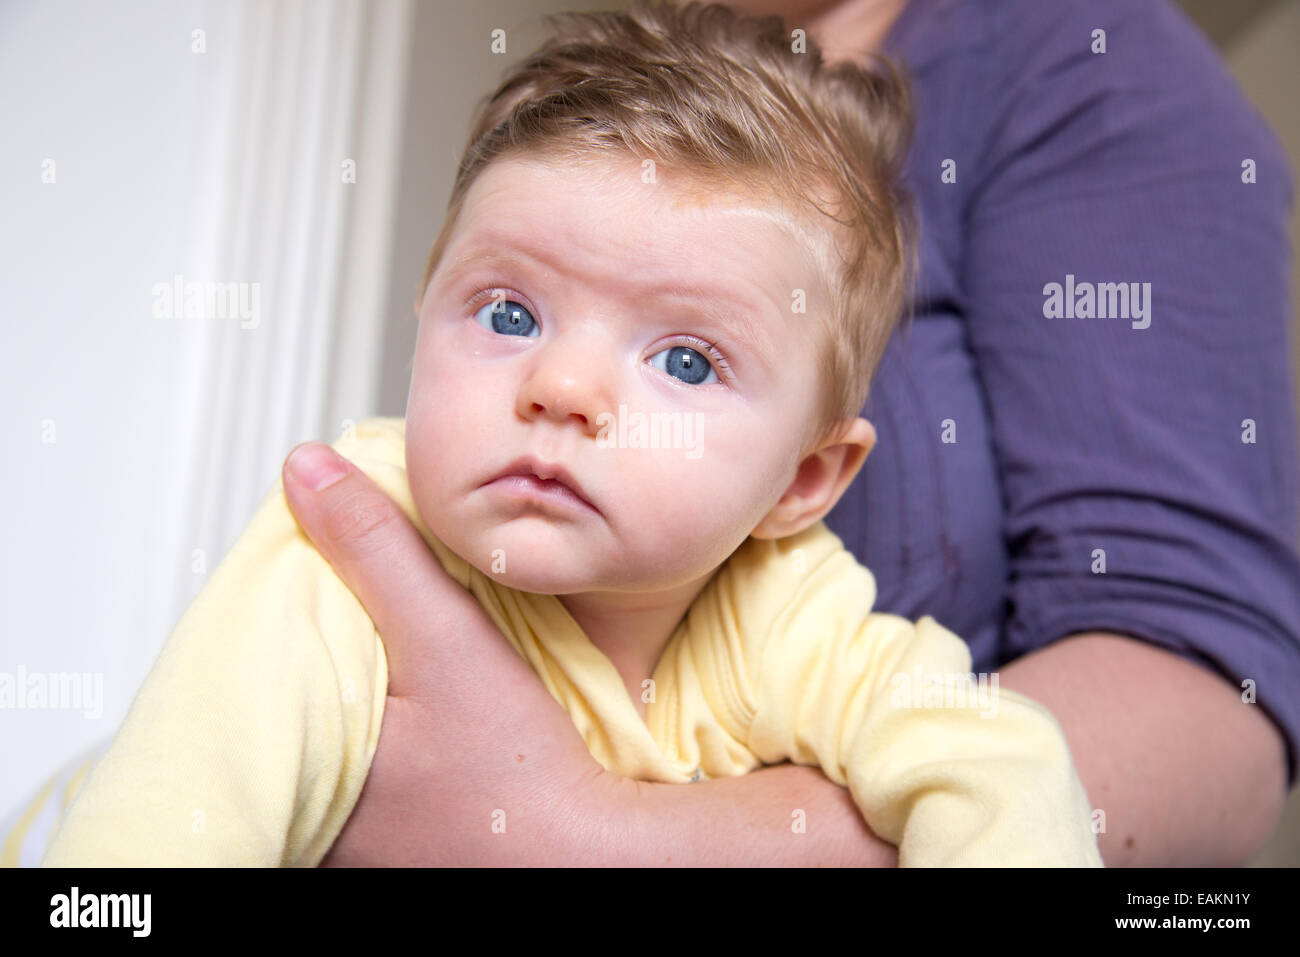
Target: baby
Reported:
[(675, 250)]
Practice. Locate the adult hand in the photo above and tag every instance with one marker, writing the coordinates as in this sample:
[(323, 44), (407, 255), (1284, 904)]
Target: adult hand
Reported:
[(471, 739), (470, 730)]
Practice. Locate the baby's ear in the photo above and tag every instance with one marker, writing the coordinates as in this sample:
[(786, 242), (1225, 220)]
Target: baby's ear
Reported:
[(821, 479)]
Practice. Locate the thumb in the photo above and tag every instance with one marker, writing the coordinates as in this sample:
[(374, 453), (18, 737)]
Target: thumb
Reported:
[(381, 557)]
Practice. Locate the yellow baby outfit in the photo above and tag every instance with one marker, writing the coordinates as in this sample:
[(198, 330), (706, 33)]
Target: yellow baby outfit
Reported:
[(251, 738)]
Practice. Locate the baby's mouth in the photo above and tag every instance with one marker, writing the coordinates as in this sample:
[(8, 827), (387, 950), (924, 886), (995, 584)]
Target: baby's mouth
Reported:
[(552, 486)]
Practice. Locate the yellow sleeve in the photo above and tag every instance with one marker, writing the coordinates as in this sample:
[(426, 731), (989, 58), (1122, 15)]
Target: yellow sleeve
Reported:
[(943, 764), (27, 834), (251, 738)]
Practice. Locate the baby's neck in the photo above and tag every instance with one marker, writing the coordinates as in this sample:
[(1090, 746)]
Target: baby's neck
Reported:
[(632, 628)]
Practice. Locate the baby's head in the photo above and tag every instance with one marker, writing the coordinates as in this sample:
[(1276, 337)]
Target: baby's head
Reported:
[(675, 250)]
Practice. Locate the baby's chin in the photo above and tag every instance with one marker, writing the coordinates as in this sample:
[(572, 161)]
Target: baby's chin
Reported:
[(529, 557), (540, 578), (538, 581)]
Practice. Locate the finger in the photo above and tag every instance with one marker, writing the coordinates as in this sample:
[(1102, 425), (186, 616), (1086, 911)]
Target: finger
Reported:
[(381, 557)]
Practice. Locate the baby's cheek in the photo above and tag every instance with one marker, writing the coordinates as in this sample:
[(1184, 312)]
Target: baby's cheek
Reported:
[(423, 468), (684, 497), (452, 435), (444, 403)]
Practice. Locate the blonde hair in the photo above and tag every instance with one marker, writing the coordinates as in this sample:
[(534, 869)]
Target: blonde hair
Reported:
[(724, 99)]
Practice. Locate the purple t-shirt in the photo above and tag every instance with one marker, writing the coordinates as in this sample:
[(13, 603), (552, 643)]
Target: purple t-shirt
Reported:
[(1058, 460)]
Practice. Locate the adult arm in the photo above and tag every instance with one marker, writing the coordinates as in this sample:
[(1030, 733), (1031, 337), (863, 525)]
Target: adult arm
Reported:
[(1141, 759), (1143, 725), (1162, 714), (1148, 459)]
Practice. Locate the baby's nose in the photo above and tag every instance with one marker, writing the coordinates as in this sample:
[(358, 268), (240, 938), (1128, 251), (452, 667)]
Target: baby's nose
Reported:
[(568, 385)]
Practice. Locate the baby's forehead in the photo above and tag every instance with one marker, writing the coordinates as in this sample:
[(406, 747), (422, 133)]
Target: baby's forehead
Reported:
[(651, 218)]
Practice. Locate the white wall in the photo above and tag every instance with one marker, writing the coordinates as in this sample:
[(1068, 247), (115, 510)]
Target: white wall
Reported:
[(133, 441)]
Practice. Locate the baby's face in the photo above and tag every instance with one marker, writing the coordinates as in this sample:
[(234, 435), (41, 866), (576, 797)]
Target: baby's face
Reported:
[(576, 315)]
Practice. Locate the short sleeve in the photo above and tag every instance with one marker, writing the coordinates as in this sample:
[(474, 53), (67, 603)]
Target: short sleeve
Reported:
[(1147, 447)]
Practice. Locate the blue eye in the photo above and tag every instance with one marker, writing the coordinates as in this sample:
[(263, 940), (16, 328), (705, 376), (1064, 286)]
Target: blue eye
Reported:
[(686, 364), (509, 318)]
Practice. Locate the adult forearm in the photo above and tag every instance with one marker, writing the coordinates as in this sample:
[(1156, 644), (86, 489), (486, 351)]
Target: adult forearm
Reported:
[(785, 815), (1185, 772)]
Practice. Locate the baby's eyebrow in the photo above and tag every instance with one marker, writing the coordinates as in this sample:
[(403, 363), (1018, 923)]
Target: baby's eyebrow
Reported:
[(727, 309)]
